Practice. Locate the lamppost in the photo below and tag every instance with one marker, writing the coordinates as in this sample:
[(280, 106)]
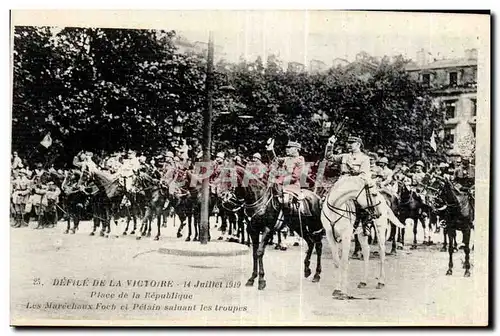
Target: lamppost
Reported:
[(207, 141)]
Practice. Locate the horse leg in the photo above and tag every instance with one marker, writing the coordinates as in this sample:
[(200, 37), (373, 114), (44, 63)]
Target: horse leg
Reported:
[(341, 292), (381, 229), (68, 226), (394, 231), (319, 250), (365, 248), (307, 259), (451, 237), (278, 245), (260, 255), (158, 222), (357, 247), (426, 227), (255, 246), (467, 233), (196, 225), (145, 219), (415, 225), (445, 243)]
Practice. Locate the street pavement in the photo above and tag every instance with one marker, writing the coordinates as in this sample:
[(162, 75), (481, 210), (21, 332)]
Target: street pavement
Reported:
[(417, 292)]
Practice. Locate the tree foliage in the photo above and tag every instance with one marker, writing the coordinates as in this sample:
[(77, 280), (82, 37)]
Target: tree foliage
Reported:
[(111, 89)]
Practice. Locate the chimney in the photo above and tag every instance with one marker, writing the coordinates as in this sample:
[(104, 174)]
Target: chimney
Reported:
[(471, 54), (422, 57)]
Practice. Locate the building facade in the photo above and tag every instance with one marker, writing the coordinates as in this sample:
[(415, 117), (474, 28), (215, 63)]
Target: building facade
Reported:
[(453, 83)]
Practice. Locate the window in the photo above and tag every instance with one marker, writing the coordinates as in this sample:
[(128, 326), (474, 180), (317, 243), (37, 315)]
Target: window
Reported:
[(450, 107), (474, 107), (453, 78), (426, 79), (449, 135)]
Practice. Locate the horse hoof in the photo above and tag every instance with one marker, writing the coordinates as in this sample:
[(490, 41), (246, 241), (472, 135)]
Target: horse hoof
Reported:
[(443, 249), (413, 247), (132, 233), (92, 234), (307, 273), (316, 278), (249, 283), (380, 285), (72, 231), (179, 235), (124, 233), (338, 295), (138, 238), (66, 232), (188, 239), (156, 238), (148, 235), (101, 234), (467, 274), (277, 247), (283, 248), (362, 285), (195, 239), (449, 272), (220, 238), (262, 284)]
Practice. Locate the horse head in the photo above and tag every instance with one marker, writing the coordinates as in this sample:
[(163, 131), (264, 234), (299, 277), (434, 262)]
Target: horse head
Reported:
[(351, 188)]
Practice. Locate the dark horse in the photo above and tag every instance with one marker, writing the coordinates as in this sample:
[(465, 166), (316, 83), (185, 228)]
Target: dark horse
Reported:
[(106, 201), (266, 213), (155, 195), (75, 199), (457, 212), (410, 206)]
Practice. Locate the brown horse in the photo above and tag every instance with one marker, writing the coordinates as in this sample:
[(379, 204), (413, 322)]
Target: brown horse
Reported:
[(266, 213), (457, 211)]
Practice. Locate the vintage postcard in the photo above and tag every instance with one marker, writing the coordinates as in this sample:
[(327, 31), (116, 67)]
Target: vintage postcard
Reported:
[(249, 168)]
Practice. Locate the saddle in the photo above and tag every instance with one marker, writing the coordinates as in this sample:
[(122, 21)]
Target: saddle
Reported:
[(296, 203)]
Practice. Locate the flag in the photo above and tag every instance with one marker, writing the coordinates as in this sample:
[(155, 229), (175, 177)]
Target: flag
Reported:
[(433, 141), (47, 141)]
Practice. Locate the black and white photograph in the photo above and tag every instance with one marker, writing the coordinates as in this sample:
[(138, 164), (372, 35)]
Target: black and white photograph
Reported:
[(249, 168)]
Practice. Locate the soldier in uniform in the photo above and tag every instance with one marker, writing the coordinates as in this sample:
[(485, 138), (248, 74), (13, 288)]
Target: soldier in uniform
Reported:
[(256, 168), (16, 162), (21, 193), (49, 203), (385, 173), (130, 165), (39, 190), (292, 166), (289, 180), (417, 179), (464, 176), (356, 163)]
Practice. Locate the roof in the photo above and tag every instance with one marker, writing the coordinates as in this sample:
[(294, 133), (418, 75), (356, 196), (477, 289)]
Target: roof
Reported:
[(444, 63)]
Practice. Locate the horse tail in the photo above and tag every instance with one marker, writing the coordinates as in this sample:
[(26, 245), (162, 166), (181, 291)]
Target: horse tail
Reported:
[(391, 217)]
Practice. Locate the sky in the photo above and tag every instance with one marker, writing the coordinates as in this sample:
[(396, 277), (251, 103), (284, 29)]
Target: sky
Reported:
[(325, 35), (296, 35)]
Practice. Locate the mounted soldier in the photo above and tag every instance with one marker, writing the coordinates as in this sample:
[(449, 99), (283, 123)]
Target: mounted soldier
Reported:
[(417, 181), (356, 163), (288, 178)]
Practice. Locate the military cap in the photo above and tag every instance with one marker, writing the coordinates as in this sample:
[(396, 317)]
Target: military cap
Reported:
[(293, 144)]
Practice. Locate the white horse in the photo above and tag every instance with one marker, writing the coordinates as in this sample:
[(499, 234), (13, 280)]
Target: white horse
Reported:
[(338, 216)]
